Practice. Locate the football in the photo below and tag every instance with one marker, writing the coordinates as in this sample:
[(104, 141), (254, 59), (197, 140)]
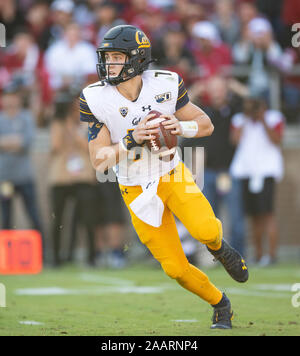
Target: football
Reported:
[(164, 143)]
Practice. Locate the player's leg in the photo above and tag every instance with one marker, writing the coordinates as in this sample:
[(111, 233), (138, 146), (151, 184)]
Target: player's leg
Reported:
[(165, 246), (188, 203)]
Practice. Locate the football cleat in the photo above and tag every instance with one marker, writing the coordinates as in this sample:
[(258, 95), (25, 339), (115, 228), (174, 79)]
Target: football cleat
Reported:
[(222, 316), (232, 261)]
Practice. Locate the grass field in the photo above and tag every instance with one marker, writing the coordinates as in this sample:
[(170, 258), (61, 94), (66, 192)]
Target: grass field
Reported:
[(141, 300)]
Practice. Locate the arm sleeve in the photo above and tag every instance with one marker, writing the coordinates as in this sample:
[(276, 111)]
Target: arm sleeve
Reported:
[(85, 113), (182, 98)]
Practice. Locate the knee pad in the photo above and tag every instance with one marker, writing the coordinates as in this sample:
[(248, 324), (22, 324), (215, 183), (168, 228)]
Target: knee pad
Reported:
[(174, 269), (209, 230)]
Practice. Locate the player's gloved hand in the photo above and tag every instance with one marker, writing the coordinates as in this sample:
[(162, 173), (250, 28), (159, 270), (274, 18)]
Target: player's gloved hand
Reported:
[(173, 124), (145, 132)]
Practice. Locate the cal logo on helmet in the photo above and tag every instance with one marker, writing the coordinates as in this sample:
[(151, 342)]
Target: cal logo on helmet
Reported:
[(142, 40)]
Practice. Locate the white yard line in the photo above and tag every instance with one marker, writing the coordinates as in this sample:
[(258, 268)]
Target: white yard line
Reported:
[(88, 277), (107, 285), (90, 291), (30, 322)]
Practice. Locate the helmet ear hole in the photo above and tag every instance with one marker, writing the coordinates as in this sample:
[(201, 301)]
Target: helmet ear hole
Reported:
[(142, 52)]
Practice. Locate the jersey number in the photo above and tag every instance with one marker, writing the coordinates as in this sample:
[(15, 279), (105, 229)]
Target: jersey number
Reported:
[(156, 74)]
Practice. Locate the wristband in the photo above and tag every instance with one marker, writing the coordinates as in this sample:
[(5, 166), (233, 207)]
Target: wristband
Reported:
[(128, 142), (189, 128)]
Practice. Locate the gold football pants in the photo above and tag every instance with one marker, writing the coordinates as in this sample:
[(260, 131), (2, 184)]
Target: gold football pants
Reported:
[(181, 197)]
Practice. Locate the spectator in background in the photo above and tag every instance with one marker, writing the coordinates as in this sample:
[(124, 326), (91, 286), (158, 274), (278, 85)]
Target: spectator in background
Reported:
[(16, 170), (290, 83), (84, 12), (258, 132), (186, 13), (226, 20), (290, 15), (212, 56), (272, 9), (173, 54), (247, 11), (219, 186), (71, 177), (38, 23), (61, 16), (70, 61), (153, 22), (260, 52), (12, 18), (24, 62), (106, 17), (135, 8)]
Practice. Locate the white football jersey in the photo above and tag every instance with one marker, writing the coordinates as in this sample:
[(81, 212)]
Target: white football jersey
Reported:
[(162, 91)]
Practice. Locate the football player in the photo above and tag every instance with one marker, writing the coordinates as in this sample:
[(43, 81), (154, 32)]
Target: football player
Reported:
[(117, 111)]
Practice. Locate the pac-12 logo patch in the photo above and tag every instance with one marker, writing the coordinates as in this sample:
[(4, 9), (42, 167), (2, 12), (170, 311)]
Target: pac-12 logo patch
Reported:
[(123, 111), (161, 98)]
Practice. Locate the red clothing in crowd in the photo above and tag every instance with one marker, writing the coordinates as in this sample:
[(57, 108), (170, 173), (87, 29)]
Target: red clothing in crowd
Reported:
[(214, 61), (291, 12), (14, 63)]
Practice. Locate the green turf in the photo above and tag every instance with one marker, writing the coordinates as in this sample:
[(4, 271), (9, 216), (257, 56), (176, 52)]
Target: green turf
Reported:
[(101, 302)]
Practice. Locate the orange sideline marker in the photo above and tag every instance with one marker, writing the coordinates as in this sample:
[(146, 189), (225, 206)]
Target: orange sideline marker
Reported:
[(20, 252)]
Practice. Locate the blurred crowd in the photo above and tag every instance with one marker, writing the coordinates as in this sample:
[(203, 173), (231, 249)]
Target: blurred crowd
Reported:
[(50, 56), (50, 45)]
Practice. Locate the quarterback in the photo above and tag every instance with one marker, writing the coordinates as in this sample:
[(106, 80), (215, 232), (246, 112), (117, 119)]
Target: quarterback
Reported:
[(117, 111)]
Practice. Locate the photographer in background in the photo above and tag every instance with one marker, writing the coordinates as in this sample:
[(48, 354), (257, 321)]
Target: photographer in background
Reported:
[(258, 161), (258, 49)]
